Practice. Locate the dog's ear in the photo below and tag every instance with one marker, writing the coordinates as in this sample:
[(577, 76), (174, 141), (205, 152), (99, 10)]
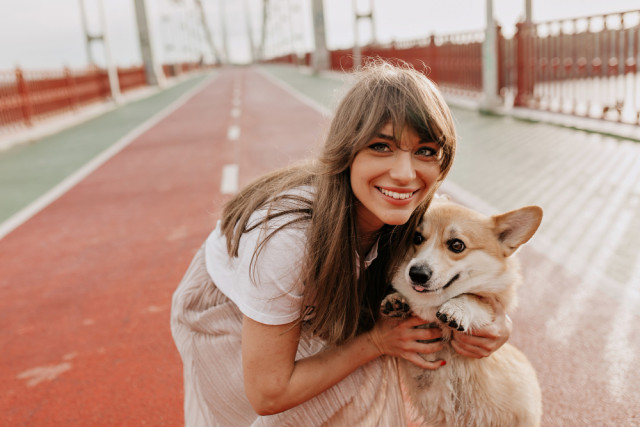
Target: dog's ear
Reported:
[(515, 228)]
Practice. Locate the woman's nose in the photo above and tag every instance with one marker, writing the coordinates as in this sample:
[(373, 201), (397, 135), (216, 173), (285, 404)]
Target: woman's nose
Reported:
[(402, 169)]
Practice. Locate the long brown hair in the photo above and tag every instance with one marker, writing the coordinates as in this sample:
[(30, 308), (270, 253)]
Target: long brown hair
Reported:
[(342, 296)]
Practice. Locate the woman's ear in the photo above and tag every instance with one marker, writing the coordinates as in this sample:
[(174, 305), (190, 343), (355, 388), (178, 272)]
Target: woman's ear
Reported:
[(515, 228)]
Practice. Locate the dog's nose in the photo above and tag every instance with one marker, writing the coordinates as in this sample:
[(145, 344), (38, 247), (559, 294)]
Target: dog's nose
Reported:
[(420, 274)]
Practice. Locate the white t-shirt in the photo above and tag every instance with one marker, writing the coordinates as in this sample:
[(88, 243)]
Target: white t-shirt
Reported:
[(269, 291)]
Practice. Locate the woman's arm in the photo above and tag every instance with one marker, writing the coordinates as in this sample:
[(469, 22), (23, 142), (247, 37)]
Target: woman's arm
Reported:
[(275, 382)]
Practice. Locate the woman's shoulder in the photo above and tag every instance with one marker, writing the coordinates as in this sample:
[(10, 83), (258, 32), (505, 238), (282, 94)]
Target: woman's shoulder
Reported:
[(291, 207)]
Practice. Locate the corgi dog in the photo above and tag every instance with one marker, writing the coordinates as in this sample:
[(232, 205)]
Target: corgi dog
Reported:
[(459, 260)]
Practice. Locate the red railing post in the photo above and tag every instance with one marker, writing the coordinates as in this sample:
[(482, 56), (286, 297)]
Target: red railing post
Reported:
[(500, 48), (25, 101), (432, 54), (524, 59), (72, 91)]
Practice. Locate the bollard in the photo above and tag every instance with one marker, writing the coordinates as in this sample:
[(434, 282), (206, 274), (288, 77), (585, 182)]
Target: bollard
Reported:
[(25, 100)]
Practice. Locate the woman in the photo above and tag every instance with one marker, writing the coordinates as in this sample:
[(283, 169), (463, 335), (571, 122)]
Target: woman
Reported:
[(276, 319)]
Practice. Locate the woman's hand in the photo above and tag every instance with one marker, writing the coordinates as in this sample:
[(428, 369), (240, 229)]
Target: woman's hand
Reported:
[(482, 342), (399, 338)]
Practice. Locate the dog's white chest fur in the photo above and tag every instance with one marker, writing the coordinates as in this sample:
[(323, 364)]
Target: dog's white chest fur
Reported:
[(439, 396)]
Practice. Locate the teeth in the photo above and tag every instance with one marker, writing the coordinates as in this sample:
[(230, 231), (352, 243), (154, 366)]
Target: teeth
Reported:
[(393, 194)]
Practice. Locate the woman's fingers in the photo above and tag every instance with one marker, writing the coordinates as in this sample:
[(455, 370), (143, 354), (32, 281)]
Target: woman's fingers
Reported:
[(483, 341), (470, 350), (425, 347)]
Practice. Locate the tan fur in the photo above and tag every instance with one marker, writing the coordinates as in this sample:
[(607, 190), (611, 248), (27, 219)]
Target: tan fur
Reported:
[(499, 390)]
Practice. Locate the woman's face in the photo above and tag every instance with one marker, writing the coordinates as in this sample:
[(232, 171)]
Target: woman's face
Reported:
[(391, 178)]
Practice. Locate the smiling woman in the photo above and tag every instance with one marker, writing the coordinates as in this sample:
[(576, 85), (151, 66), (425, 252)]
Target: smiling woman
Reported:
[(278, 313)]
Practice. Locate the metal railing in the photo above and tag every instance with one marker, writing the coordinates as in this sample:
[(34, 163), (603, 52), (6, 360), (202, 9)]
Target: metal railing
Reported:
[(28, 95), (583, 66), (586, 66), (454, 61)]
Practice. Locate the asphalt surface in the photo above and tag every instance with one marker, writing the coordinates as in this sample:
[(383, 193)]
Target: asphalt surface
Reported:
[(86, 277)]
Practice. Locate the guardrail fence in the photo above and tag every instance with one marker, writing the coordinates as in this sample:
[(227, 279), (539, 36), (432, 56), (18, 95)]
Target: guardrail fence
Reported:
[(27, 95), (586, 66)]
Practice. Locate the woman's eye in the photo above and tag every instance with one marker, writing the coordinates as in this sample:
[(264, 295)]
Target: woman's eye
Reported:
[(426, 151), (417, 238), (456, 245), (379, 147)]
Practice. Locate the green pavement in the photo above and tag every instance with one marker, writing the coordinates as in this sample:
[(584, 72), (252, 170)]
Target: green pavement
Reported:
[(29, 170)]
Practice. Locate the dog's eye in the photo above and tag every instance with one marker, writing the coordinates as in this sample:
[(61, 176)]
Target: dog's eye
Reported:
[(456, 245), (417, 238)]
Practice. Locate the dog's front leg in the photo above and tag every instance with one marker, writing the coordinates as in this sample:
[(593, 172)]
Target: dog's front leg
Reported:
[(465, 312)]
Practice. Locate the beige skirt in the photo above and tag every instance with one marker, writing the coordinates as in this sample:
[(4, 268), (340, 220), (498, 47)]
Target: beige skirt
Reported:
[(207, 328)]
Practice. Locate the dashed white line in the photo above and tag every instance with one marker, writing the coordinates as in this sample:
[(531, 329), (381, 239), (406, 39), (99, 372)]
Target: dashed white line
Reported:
[(229, 179), (233, 133)]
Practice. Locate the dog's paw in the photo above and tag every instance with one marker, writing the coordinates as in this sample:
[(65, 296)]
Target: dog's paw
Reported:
[(465, 313), (395, 305), (451, 316)]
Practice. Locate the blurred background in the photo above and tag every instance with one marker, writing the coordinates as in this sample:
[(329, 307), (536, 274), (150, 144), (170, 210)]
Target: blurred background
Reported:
[(126, 124), (45, 34), (573, 57)]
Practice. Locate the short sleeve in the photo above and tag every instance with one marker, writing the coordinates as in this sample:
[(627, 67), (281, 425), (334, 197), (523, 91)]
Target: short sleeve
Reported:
[(266, 289)]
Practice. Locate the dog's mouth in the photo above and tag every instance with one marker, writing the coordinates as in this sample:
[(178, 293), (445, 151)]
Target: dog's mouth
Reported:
[(422, 289)]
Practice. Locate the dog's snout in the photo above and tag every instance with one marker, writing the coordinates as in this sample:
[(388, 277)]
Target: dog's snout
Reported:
[(420, 274)]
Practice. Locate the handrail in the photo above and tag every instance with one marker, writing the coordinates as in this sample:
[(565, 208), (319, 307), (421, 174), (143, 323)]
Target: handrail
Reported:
[(28, 95)]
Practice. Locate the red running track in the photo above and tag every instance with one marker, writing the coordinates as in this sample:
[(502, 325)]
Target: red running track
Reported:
[(86, 283)]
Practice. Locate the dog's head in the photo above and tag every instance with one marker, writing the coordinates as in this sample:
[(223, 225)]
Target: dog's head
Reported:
[(457, 250)]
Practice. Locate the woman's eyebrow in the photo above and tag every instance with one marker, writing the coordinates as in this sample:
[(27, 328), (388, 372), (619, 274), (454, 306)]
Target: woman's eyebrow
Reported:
[(390, 138), (385, 136)]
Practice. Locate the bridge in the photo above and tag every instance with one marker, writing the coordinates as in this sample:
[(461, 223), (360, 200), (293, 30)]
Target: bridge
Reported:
[(100, 219)]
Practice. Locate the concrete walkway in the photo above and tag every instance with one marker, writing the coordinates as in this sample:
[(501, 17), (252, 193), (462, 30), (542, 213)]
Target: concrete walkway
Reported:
[(86, 281)]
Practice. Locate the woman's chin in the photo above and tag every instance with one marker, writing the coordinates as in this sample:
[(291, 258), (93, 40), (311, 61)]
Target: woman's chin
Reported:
[(397, 219)]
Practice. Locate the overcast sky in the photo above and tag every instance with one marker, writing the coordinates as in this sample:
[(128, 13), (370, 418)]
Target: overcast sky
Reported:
[(47, 34)]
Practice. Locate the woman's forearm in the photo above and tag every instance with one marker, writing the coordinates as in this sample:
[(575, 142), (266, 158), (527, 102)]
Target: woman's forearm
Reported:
[(274, 383), (313, 375)]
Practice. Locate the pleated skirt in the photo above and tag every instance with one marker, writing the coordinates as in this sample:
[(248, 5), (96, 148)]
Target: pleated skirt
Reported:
[(207, 329)]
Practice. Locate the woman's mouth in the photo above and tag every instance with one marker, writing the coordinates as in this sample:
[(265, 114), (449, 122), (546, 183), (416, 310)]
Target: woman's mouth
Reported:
[(396, 195)]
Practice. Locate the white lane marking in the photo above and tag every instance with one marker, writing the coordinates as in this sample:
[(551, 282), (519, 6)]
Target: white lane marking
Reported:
[(39, 374), (56, 192), (233, 133), (229, 179), (235, 112)]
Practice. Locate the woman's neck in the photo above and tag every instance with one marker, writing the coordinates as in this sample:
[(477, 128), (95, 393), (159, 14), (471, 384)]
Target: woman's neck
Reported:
[(368, 228), (366, 240)]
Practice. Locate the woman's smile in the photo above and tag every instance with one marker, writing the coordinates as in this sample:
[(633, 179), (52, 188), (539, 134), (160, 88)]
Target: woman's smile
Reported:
[(397, 195)]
